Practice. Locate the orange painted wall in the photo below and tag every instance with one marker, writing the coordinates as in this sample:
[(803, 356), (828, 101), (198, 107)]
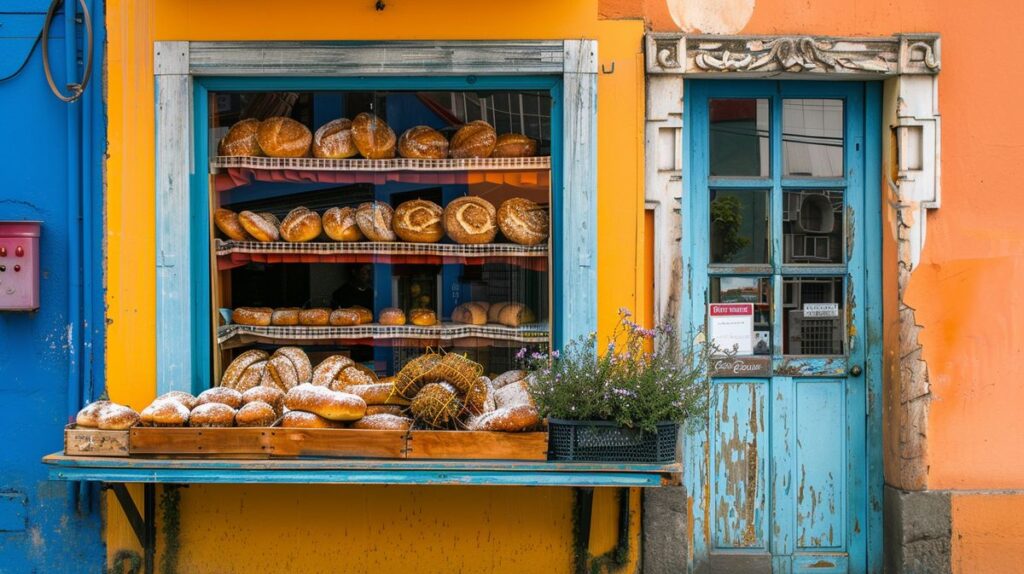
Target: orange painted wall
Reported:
[(988, 533)]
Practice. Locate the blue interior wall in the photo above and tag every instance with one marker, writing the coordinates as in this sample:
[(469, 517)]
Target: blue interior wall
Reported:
[(51, 359)]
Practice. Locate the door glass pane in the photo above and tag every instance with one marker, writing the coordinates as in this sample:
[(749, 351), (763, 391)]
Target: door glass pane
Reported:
[(813, 316), (739, 137), (812, 226), (756, 290), (739, 226), (812, 138)]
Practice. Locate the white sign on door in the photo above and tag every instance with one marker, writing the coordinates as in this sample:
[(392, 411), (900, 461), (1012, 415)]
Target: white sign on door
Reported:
[(731, 327), (821, 310)]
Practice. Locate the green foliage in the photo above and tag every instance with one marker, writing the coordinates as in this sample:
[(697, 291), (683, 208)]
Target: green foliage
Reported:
[(650, 378), (727, 220)]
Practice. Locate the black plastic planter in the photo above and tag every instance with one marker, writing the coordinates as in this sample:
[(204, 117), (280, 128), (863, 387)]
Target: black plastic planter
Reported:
[(601, 441)]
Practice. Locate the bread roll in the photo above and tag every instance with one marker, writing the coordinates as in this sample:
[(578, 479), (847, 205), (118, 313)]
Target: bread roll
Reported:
[(334, 140), (423, 142), (241, 140), (423, 317), (344, 317), (418, 221), (228, 224), (222, 395), (471, 220), (252, 376), (513, 394), (328, 369), (89, 415), (516, 314), (396, 410), (374, 220), (352, 376), (287, 316), (376, 393), (391, 316), (480, 398), (508, 377), (475, 139), (494, 311), (270, 395), (234, 371), (298, 357), (515, 145), (255, 414), (300, 225), (258, 316), (186, 399), (259, 227), (283, 137), (508, 419), (383, 422), (305, 420), (365, 315), (470, 314), (333, 405), (282, 373), (523, 221), (212, 415), (165, 413), (340, 224), (116, 417), (373, 137), (316, 317)]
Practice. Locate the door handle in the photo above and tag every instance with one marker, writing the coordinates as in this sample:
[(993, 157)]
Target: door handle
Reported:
[(855, 371)]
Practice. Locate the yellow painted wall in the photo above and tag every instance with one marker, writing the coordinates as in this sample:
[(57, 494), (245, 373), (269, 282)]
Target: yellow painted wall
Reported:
[(319, 528)]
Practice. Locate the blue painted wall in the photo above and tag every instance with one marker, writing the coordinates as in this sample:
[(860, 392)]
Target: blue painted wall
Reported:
[(52, 358)]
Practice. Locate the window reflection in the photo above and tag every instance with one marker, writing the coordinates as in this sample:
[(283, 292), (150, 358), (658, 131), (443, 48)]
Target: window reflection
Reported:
[(739, 226), (812, 226), (813, 315), (739, 137), (812, 138)]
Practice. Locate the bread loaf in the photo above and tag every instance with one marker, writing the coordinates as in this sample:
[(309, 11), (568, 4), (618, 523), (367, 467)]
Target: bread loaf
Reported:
[(513, 394), (373, 137), (473, 140), (471, 220), (334, 140), (259, 227), (241, 139), (352, 376), (376, 393), (287, 316), (391, 316), (235, 369), (305, 420), (494, 311), (298, 357), (222, 395), (164, 413), (470, 314), (344, 317), (252, 376), (365, 315), (228, 224), (282, 373), (258, 316), (508, 377), (374, 220), (316, 317), (422, 317), (480, 398), (437, 405), (418, 221), (89, 415), (116, 417), (328, 369), (507, 419), (300, 225), (283, 137), (212, 415), (333, 405), (515, 145), (396, 410), (186, 399), (523, 221), (383, 422), (516, 314), (423, 142), (340, 224), (270, 395), (255, 414)]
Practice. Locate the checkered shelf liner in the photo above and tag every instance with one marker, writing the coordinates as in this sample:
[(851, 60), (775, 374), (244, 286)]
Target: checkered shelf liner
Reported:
[(380, 165), (533, 333), (383, 248)]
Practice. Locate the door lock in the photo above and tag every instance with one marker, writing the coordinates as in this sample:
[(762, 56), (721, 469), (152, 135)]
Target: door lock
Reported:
[(856, 370)]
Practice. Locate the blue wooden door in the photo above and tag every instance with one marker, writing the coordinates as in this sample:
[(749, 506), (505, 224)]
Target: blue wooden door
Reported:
[(782, 227)]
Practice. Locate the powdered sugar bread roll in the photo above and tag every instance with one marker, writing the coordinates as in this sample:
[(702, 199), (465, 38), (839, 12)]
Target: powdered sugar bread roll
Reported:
[(333, 140), (255, 414), (186, 399), (212, 415), (241, 139), (300, 225), (164, 413), (328, 369), (423, 142), (258, 316), (228, 224), (298, 357), (473, 140), (373, 137), (517, 393), (391, 316), (252, 376), (344, 317), (88, 416), (260, 228), (222, 395), (376, 393), (333, 405), (285, 317), (316, 317), (270, 395), (523, 221), (116, 417), (234, 371), (507, 419), (340, 224), (374, 220), (283, 137), (353, 376), (383, 422), (471, 220), (396, 410), (282, 372), (508, 377), (307, 420)]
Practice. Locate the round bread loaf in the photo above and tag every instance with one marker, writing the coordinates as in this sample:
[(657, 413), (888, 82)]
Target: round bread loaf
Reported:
[(186, 399), (89, 415), (228, 224), (334, 140), (473, 140), (351, 376), (340, 224), (374, 220), (255, 414), (376, 393), (212, 415), (259, 227), (508, 377), (480, 398), (252, 376), (241, 139), (471, 220), (333, 405), (165, 413), (259, 316), (315, 317), (515, 145), (516, 314), (286, 316), (507, 419), (391, 316), (344, 317), (373, 137), (365, 315), (383, 422), (270, 395), (422, 317), (328, 369), (305, 420), (423, 142), (116, 417), (300, 225), (222, 395), (283, 137), (298, 357), (418, 221), (470, 314), (523, 221), (396, 410), (513, 394), (235, 369), (437, 405), (281, 371), (417, 373), (494, 311)]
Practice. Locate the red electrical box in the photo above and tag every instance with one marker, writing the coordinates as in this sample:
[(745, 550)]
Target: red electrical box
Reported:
[(19, 265)]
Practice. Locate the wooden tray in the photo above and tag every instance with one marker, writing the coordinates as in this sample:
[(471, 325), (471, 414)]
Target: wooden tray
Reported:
[(94, 442), (264, 442), (477, 445)]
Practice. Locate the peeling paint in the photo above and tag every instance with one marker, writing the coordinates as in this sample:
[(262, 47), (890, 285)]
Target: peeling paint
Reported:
[(711, 16)]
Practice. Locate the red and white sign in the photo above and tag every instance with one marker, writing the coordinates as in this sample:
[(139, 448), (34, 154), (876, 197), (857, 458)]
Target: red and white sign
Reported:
[(731, 327)]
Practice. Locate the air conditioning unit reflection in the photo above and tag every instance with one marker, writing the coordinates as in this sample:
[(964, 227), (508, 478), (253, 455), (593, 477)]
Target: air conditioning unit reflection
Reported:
[(813, 335)]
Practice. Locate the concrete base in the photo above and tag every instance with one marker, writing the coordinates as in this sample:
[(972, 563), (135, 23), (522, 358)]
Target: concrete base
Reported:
[(918, 529), (664, 531)]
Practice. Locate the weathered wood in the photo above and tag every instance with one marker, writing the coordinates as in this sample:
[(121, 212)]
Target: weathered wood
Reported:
[(266, 442), (95, 442), (337, 443), (477, 445)]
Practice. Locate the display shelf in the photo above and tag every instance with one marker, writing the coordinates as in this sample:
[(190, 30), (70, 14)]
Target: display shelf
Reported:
[(379, 165), (232, 254), (230, 336)]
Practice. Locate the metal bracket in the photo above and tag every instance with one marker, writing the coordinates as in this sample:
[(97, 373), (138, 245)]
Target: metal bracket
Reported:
[(144, 524)]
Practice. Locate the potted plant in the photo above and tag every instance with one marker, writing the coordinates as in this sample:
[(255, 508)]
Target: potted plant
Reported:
[(625, 401)]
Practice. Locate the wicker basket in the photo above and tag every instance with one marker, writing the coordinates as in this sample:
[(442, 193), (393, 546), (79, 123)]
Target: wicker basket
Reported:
[(601, 441)]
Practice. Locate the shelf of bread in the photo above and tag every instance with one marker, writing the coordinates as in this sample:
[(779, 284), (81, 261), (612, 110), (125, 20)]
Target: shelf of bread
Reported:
[(381, 165), (234, 335)]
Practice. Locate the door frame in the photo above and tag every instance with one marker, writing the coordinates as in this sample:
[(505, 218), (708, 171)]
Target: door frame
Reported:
[(696, 440)]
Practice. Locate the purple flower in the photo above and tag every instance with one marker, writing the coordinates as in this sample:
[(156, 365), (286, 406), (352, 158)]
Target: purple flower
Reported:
[(537, 356), (554, 354), (625, 312), (521, 353)]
